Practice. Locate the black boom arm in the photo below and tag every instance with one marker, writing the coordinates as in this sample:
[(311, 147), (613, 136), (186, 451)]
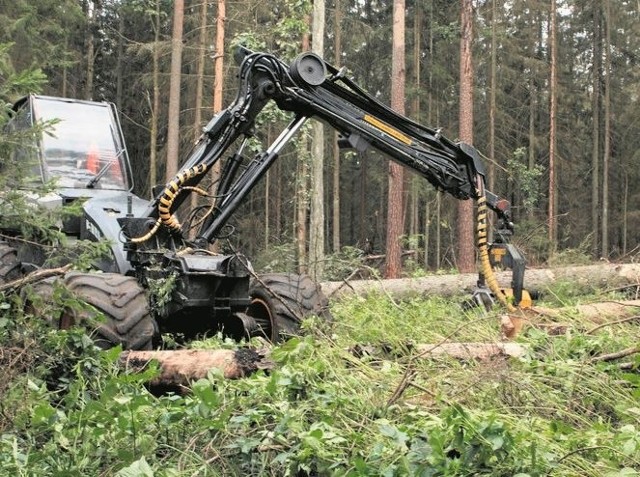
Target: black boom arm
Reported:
[(312, 88)]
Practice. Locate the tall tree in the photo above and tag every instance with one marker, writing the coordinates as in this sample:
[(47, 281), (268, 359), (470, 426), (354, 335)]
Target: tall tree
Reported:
[(464, 226), (607, 129), (316, 229), (553, 93), (302, 199), (91, 13), (595, 114), (155, 102), (218, 68), (337, 46), (395, 212), (492, 94), (173, 133), (202, 46)]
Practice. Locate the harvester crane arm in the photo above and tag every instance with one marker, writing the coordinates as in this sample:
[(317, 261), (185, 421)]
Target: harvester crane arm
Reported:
[(312, 88)]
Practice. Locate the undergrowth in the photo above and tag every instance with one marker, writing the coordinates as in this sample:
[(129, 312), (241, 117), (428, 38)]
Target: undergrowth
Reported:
[(350, 400)]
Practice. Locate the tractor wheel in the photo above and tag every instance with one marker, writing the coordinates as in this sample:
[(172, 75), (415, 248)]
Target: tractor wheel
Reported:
[(10, 266), (280, 301), (127, 319)]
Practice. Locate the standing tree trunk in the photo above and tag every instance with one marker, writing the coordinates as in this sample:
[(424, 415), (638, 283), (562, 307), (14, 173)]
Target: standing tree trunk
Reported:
[(197, 117), (316, 230), (607, 130), (218, 81), (173, 132), (202, 47), (492, 97), (119, 56), (431, 120), (302, 199), (218, 62), (466, 251), (155, 108), (532, 108), (336, 148), (595, 154), (553, 86), (395, 213), (90, 42), (414, 215)]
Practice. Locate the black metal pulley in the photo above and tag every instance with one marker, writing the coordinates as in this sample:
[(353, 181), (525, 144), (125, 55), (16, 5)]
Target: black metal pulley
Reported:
[(308, 68)]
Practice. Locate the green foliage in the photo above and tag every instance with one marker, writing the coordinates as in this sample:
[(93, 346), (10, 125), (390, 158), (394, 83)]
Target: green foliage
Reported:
[(526, 179), (160, 291), (326, 408), (14, 83), (340, 265), (277, 258), (579, 255)]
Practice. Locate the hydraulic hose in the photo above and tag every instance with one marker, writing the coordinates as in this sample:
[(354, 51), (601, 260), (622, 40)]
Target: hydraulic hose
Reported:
[(483, 247), (168, 196)]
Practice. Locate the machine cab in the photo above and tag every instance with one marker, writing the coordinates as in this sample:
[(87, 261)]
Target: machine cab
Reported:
[(80, 147)]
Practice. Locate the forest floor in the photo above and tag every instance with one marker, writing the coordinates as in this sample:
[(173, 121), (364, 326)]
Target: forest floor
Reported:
[(358, 396)]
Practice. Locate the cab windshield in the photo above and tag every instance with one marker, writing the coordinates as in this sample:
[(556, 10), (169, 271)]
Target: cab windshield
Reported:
[(81, 149)]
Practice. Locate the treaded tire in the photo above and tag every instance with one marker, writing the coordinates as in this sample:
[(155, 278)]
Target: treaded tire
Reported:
[(10, 266), (280, 301), (127, 319)]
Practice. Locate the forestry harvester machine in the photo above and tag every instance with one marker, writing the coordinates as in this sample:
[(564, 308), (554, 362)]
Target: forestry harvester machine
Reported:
[(207, 291)]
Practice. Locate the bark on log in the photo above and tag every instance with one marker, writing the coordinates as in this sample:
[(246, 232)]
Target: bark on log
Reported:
[(473, 350), (595, 312), (588, 276), (181, 367), (458, 350), (600, 313)]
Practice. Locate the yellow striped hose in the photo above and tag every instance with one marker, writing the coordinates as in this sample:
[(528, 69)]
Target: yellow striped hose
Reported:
[(169, 194), (483, 247)]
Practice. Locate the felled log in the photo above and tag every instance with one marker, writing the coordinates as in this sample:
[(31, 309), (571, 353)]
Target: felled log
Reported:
[(599, 276), (457, 350), (181, 367), (473, 350), (597, 312)]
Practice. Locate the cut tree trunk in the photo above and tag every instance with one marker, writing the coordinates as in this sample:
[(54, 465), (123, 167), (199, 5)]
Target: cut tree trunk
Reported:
[(181, 367), (589, 276), (472, 350), (595, 312)]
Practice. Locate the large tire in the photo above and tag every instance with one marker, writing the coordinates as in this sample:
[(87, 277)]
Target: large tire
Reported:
[(127, 319), (10, 266), (280, 301)]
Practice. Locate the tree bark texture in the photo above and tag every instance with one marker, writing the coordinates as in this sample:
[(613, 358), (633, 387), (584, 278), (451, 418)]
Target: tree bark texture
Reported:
[(472, 350), (607, 130), (218, 64), (395, 209), (553, 93), (337, 46), (173, 132), (316, 228), (181, 367), (464, 226), (155, 106), (595, 113)]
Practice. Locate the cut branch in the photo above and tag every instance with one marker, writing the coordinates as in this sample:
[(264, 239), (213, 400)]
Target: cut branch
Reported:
[(35, 276), (613, 323), (617, 355)]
